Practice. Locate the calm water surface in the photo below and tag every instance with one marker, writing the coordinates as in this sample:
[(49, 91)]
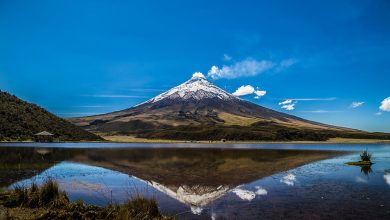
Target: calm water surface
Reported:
[(183, 185)]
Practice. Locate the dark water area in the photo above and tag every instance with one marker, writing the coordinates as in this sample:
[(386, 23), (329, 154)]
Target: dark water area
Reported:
[(198, 181)]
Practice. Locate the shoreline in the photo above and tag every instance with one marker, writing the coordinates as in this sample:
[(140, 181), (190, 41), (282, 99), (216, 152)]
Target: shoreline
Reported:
[(130, 140)]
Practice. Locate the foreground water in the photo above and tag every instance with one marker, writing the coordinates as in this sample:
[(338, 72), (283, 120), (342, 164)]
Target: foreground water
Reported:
[(183, 185)]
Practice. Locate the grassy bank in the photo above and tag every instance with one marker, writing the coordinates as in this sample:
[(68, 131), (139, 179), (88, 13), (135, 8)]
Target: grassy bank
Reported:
[(133, 139), (48, 202)]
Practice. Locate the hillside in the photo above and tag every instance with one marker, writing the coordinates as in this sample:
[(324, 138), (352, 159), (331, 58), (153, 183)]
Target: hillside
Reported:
[(20, 120), (199, 110)]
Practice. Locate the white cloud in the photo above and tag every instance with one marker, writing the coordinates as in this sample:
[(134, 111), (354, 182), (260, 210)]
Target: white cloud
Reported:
[(244, 90), (285, 102), (288, 104), (385, 105), (356, 104), (198, 75), (226, 57), (247, 67), (247, 90), (378, 113), (289, 107), (260, 93)]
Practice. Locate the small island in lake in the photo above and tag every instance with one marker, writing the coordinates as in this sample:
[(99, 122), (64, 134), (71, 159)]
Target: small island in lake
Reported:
[(365, 160)]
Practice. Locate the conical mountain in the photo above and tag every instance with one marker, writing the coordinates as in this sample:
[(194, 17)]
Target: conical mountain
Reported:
[(199, 110)]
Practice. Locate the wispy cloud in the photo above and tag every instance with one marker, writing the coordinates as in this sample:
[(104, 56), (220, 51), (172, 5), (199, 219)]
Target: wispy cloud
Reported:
[(319, 111), (116, 96), (284, 64), (259, 93), (385, 105), (310, 99), (146, 90), (288, 104), (73, 114), (289, 107), (92, 106), (356, 104), (378, 113), (226, 57), (247, 90), (247, 67)]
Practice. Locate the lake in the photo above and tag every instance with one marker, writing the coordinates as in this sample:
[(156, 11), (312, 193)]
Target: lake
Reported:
[(206, 181)]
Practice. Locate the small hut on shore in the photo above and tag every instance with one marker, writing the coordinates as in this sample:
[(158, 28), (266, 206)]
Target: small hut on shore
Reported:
[(44, 136)]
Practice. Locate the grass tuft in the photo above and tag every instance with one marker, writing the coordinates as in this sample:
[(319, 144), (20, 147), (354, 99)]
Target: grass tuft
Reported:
[(139, 208), (48, 202), (49, 192)]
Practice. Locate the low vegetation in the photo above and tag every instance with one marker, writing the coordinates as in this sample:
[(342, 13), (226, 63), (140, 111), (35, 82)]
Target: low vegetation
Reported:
[(365, 156), (20, 120), (365, 159), (259, 131), (48, 202)]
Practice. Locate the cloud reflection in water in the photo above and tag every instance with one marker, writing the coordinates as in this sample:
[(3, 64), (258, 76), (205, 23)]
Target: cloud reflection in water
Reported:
[(249, 195), (387, 178), (289, 179)]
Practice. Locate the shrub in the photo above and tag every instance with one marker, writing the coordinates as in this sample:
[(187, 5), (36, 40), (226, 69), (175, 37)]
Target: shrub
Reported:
[(365, 156), (49, 192)]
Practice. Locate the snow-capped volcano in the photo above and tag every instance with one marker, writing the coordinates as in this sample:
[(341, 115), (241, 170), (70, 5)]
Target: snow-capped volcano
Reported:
[(199, 105), (196, 88)]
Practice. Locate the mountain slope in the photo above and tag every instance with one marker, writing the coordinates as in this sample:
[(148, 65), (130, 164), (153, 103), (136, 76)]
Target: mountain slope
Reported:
[(199, 110), (20, 120)]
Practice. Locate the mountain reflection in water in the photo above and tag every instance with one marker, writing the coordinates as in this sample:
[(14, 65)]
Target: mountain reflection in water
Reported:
[(203, 183), (194, 177)]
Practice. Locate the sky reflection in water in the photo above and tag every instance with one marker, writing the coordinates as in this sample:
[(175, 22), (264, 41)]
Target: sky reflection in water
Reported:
[(324, 186)]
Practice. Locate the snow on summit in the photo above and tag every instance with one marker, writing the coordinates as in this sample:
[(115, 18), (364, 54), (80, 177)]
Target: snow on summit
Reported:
[(196, 88)]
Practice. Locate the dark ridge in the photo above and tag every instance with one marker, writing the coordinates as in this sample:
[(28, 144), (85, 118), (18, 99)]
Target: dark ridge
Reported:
[(20, 120)]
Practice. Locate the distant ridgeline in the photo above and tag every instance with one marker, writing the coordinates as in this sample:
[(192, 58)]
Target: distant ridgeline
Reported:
[(20, 120)]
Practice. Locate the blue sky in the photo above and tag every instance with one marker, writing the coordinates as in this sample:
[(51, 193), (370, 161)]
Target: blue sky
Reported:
[(87, 57)]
